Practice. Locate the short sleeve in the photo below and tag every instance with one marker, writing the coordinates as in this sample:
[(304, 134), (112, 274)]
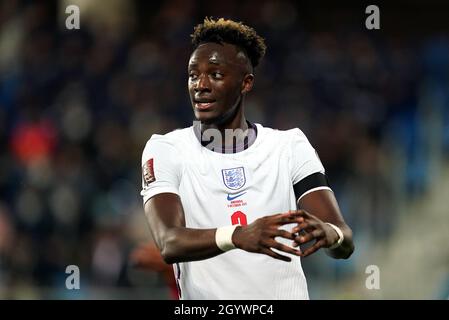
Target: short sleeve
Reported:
[(304, 160), (161, 168)]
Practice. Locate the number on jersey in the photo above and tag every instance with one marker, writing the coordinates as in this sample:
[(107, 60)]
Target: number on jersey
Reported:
[(239, 217)]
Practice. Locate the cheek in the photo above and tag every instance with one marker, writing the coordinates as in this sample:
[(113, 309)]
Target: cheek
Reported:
[(189, 85), (234, 93), (228, 93)]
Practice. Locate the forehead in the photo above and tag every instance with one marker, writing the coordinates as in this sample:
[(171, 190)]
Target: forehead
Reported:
[(215, 53)]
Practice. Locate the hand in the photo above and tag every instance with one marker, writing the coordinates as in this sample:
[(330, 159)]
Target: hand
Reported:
[(148, 256), (259, 236), (313, 229)]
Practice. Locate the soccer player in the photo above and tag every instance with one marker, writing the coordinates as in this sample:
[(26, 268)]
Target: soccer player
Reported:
[(230, 202)]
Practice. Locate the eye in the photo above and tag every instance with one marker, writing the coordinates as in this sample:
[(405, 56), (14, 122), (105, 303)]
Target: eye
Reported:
[(192, 76), (217, 75)]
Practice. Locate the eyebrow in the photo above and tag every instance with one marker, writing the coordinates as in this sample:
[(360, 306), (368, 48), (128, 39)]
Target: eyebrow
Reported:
[(214, 60), (211, 61)]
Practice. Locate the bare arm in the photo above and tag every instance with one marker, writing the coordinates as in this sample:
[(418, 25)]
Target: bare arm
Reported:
[(177, 243), (321, 207)]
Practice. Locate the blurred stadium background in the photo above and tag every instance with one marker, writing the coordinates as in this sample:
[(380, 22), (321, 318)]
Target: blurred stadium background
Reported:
[(77, 106)]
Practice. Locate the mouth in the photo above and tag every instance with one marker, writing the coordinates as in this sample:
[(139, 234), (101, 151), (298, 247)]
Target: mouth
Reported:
[(203, 105)]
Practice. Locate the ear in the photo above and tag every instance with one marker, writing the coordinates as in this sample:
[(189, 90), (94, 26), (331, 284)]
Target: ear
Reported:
[(247, 83)]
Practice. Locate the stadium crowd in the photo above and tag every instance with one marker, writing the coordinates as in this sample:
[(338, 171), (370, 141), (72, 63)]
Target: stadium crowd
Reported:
[(77, 106)]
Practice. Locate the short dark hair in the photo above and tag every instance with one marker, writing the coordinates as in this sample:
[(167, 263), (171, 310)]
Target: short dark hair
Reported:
[(232, 32)]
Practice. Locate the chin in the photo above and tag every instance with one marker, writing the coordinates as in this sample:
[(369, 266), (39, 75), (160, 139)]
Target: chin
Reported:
[(205, 117)]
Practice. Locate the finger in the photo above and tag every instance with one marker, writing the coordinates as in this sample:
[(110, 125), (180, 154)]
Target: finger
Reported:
[(277, 218), (319, 244), (275, 255), (296, 245), (281, 247), (315, 234), (307, 226), (289, 219), (284, 234), (300, 213), (294, 213), (301, 226)]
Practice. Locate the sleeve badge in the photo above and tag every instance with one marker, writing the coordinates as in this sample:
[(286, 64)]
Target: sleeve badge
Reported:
[(148, 172)]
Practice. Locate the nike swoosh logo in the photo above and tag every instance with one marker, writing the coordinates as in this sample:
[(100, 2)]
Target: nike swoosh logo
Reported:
[(235, 197)]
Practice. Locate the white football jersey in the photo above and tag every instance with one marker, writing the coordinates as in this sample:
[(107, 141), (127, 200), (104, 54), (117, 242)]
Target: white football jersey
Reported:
[(220, 189)]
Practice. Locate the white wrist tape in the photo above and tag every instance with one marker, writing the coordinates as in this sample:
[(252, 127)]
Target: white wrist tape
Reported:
[(340, 236), (223, 237)]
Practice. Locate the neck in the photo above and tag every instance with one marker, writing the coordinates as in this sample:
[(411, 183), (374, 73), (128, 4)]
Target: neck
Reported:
[(232, 120), (237, 122), (232, 133), (229, 133)]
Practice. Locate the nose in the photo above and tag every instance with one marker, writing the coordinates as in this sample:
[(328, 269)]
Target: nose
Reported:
[(202, 84)]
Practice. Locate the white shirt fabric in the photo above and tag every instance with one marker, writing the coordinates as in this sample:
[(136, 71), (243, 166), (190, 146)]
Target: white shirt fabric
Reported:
[(212, 186)]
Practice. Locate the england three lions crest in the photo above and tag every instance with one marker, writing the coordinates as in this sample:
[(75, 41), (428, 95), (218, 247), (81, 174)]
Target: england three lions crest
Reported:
[(234, 178)]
